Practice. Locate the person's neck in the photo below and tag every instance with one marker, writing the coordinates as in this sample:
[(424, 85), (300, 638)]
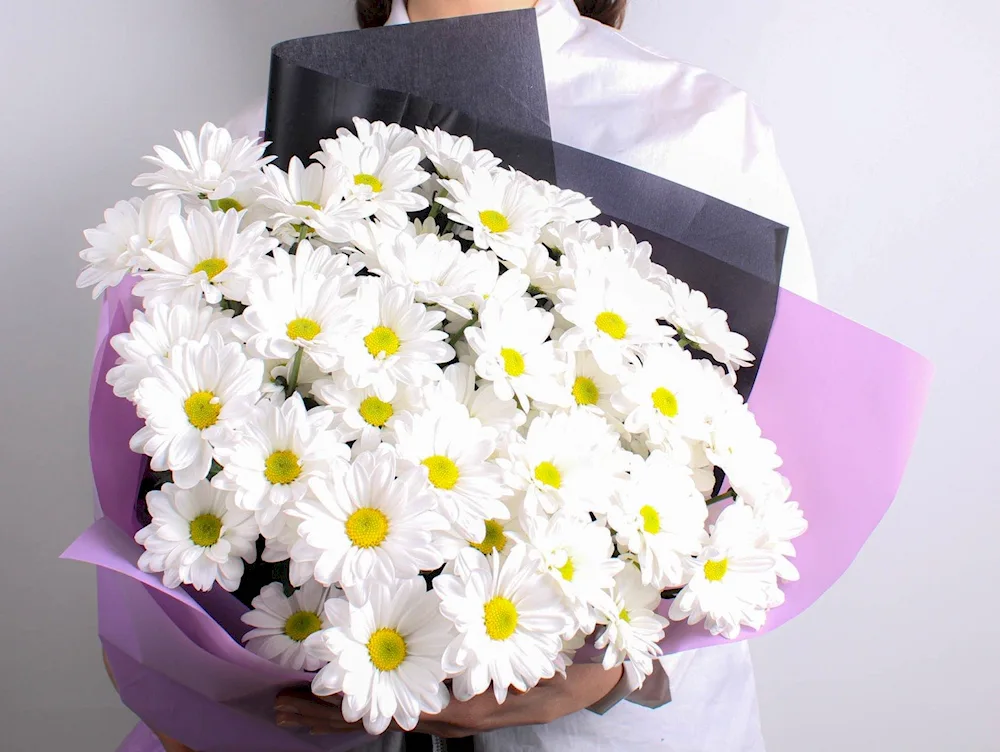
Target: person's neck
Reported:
[(426, 10)]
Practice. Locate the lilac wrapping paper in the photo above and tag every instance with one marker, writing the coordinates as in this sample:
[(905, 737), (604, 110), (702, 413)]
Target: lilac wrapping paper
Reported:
[(842, 403)]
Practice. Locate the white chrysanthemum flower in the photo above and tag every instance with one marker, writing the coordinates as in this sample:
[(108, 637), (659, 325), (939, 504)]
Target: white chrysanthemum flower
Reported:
[(438, 270), (197, 537), (305, 302), (399, 340), (153, 333), (578, 555), (513, 351), (449, 154), (208, 251), (504, 214), (625, 249), (736, 445), (780, 520), (569, 461), (706, 327), (117, 244), (586, 386), (660, 518), (393, 135), (542, 270), (204, 391), (270, 463), (359, 415), (364, 526), (558, 235), (459, 385), (213, 166), (633, 628), (614, 314), (670, 395), (384, 175), (732, 581), (510, 619), (563, 205), (384, 656), (453, 452), (286, 627), (316, 197)]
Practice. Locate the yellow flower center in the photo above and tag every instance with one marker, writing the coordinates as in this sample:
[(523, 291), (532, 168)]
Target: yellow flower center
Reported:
[(716, 570), (211, 266), (306, 329), (387, 649), (363, 178), (382, 341), (375, 412), (310, 204), (367, 527), (611, 324), (494, 221), (567, 570), (548, 474), (206, 529), (302, 624), (225, 204), (495, 539), (585, 391), (282, 467), (500, 616), (665, 401), (441, 471), (625, 617), (513, 362), (202, 409), (650, 520)]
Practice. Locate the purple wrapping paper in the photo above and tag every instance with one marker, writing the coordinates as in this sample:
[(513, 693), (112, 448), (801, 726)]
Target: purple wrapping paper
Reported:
[(842, 403)]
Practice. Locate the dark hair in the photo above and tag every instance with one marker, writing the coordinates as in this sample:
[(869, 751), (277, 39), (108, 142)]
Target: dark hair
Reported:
[(608, 12)]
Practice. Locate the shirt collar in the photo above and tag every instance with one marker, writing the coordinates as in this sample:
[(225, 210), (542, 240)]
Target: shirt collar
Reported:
[(557, 19)]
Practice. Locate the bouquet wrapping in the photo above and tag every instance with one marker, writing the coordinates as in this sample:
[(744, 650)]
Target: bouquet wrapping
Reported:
[(432, 419)]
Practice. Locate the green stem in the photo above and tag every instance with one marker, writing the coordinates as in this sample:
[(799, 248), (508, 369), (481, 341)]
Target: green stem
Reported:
[(453, 340), (683, 342), (730, 494), (435, 206), (293, 374)]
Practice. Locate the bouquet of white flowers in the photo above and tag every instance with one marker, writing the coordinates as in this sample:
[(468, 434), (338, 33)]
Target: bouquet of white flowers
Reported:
[(461, 425)]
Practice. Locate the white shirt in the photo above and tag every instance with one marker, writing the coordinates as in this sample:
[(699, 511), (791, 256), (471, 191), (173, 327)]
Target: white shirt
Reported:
[(611, 97)]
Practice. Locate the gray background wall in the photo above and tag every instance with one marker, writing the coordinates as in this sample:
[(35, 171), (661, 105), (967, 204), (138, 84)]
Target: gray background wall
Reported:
[(887, 118)]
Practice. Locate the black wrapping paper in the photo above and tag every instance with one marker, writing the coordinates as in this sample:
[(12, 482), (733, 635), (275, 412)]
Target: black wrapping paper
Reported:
[(482, 76)]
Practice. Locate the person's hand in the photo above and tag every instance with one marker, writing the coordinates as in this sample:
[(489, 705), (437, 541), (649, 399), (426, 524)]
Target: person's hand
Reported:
[(552, 699)]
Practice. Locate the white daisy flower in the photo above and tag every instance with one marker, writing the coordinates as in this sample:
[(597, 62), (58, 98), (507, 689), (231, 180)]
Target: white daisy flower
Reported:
[(459, 385), (359, 415), (365, 526), (438, 270), (586, 386), (315, 197), (780, 521), (286, 627), (197, 537), (513, 351), (670, 395), (504, 214), (449, 154), (736, 445), (272, 460), (393, 135), (625, 249), (305, 303), (578, 556), (204, 391), (705, 327), (153, 333), (542, 270), (563, 205), (660, 518), (212, 166), (399, 340), (614, 314), (208, 251), (384, 176), (452, 451), (510, 621), (117, 244), (558, 235), (732, 581), (569, 461), (384, 656), (633, 629)]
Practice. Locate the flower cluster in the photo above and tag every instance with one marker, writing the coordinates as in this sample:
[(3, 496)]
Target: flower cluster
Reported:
[(404, 363)]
